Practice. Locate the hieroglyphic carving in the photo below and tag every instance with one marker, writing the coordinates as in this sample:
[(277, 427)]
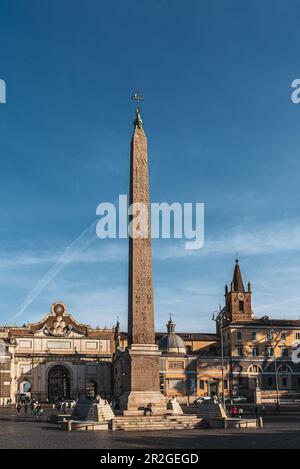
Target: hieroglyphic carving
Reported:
[(141, 314)]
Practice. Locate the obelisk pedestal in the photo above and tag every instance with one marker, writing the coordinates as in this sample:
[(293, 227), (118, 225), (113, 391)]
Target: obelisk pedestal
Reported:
[(142, 370)]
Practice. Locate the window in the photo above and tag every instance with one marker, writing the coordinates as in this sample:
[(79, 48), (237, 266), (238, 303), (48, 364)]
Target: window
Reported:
[(240, 351), (25, 387), (238, 335), (201, 384), (240, 381), (269, 351), (284, 381), (284, 369), (241, 306), (91, 345), (269, 335), (104, 346), (225, 384), (284, 352), (283, 335), (253, 335), (270, 381), (254, 369), (25, 343), (176, 364), (298, 382), (255, 351), (297, 335)]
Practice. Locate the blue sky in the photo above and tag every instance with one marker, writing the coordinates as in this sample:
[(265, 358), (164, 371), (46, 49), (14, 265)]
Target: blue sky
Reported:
[(221, 130)]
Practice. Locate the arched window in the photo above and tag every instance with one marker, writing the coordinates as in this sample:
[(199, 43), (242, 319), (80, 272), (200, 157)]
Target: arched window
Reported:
[(284, 376), (254, 369), (25, 386), (284, 370)]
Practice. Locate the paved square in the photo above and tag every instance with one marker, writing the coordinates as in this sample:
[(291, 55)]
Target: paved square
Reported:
[(25, 432)]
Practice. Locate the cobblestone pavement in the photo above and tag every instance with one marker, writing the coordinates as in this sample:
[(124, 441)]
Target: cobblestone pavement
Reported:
[(25, 432)]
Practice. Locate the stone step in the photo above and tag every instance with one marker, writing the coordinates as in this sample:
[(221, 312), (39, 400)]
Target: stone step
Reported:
[(163, 422), (154, 418)]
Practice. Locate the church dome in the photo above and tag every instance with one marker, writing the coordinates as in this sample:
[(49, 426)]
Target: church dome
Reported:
[(171, 342)]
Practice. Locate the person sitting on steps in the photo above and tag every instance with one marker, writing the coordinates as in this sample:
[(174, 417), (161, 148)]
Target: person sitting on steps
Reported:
[(148, 409)]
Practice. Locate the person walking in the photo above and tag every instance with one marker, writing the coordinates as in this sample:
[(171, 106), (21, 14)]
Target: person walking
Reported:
[(38, 411), (241, 412), (18, 407)]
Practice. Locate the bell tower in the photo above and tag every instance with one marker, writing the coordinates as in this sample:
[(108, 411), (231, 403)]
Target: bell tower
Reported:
[(238, 300)]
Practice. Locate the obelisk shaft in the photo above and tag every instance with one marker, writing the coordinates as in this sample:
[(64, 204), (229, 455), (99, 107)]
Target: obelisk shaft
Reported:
[(138, 367), (140, 294)]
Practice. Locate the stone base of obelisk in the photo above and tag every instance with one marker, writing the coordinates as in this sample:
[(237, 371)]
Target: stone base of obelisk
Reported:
[(141, 384)]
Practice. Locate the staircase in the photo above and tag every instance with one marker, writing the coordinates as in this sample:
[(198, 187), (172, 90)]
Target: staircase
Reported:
[(211, 409), (157, 422), (104, 413), (214, 415)]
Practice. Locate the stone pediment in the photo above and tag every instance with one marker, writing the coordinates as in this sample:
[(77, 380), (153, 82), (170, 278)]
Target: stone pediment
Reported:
[(58, 323)]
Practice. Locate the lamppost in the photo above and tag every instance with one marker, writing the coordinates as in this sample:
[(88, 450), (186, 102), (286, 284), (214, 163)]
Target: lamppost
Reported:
[(218, 317), (274, 331), (2, 369)]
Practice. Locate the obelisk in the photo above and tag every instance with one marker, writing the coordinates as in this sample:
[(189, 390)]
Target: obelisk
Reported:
[(140, 383)]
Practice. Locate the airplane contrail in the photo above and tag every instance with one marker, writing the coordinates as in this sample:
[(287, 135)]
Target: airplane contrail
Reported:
[(70, 253)]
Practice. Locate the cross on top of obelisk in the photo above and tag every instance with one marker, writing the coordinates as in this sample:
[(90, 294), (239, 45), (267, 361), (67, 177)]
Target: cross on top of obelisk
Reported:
[(138, 98)]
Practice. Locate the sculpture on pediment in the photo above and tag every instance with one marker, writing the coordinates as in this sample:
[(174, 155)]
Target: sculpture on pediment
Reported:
[(59, 327)]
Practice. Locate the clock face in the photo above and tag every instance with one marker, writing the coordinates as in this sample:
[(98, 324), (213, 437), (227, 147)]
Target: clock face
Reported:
[(241, 296), (59, 308)]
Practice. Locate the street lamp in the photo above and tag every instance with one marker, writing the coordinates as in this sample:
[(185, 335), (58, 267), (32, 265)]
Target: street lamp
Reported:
[(2, 369), (218, 317), (274, 331)]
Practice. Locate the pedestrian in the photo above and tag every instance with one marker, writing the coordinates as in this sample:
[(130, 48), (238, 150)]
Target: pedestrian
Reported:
[(38, 411), (233, 411), (241, 412), (263, 409), (18, 407)]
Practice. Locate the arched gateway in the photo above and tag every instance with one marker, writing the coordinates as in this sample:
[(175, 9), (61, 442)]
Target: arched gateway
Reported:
[(58, 383)]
